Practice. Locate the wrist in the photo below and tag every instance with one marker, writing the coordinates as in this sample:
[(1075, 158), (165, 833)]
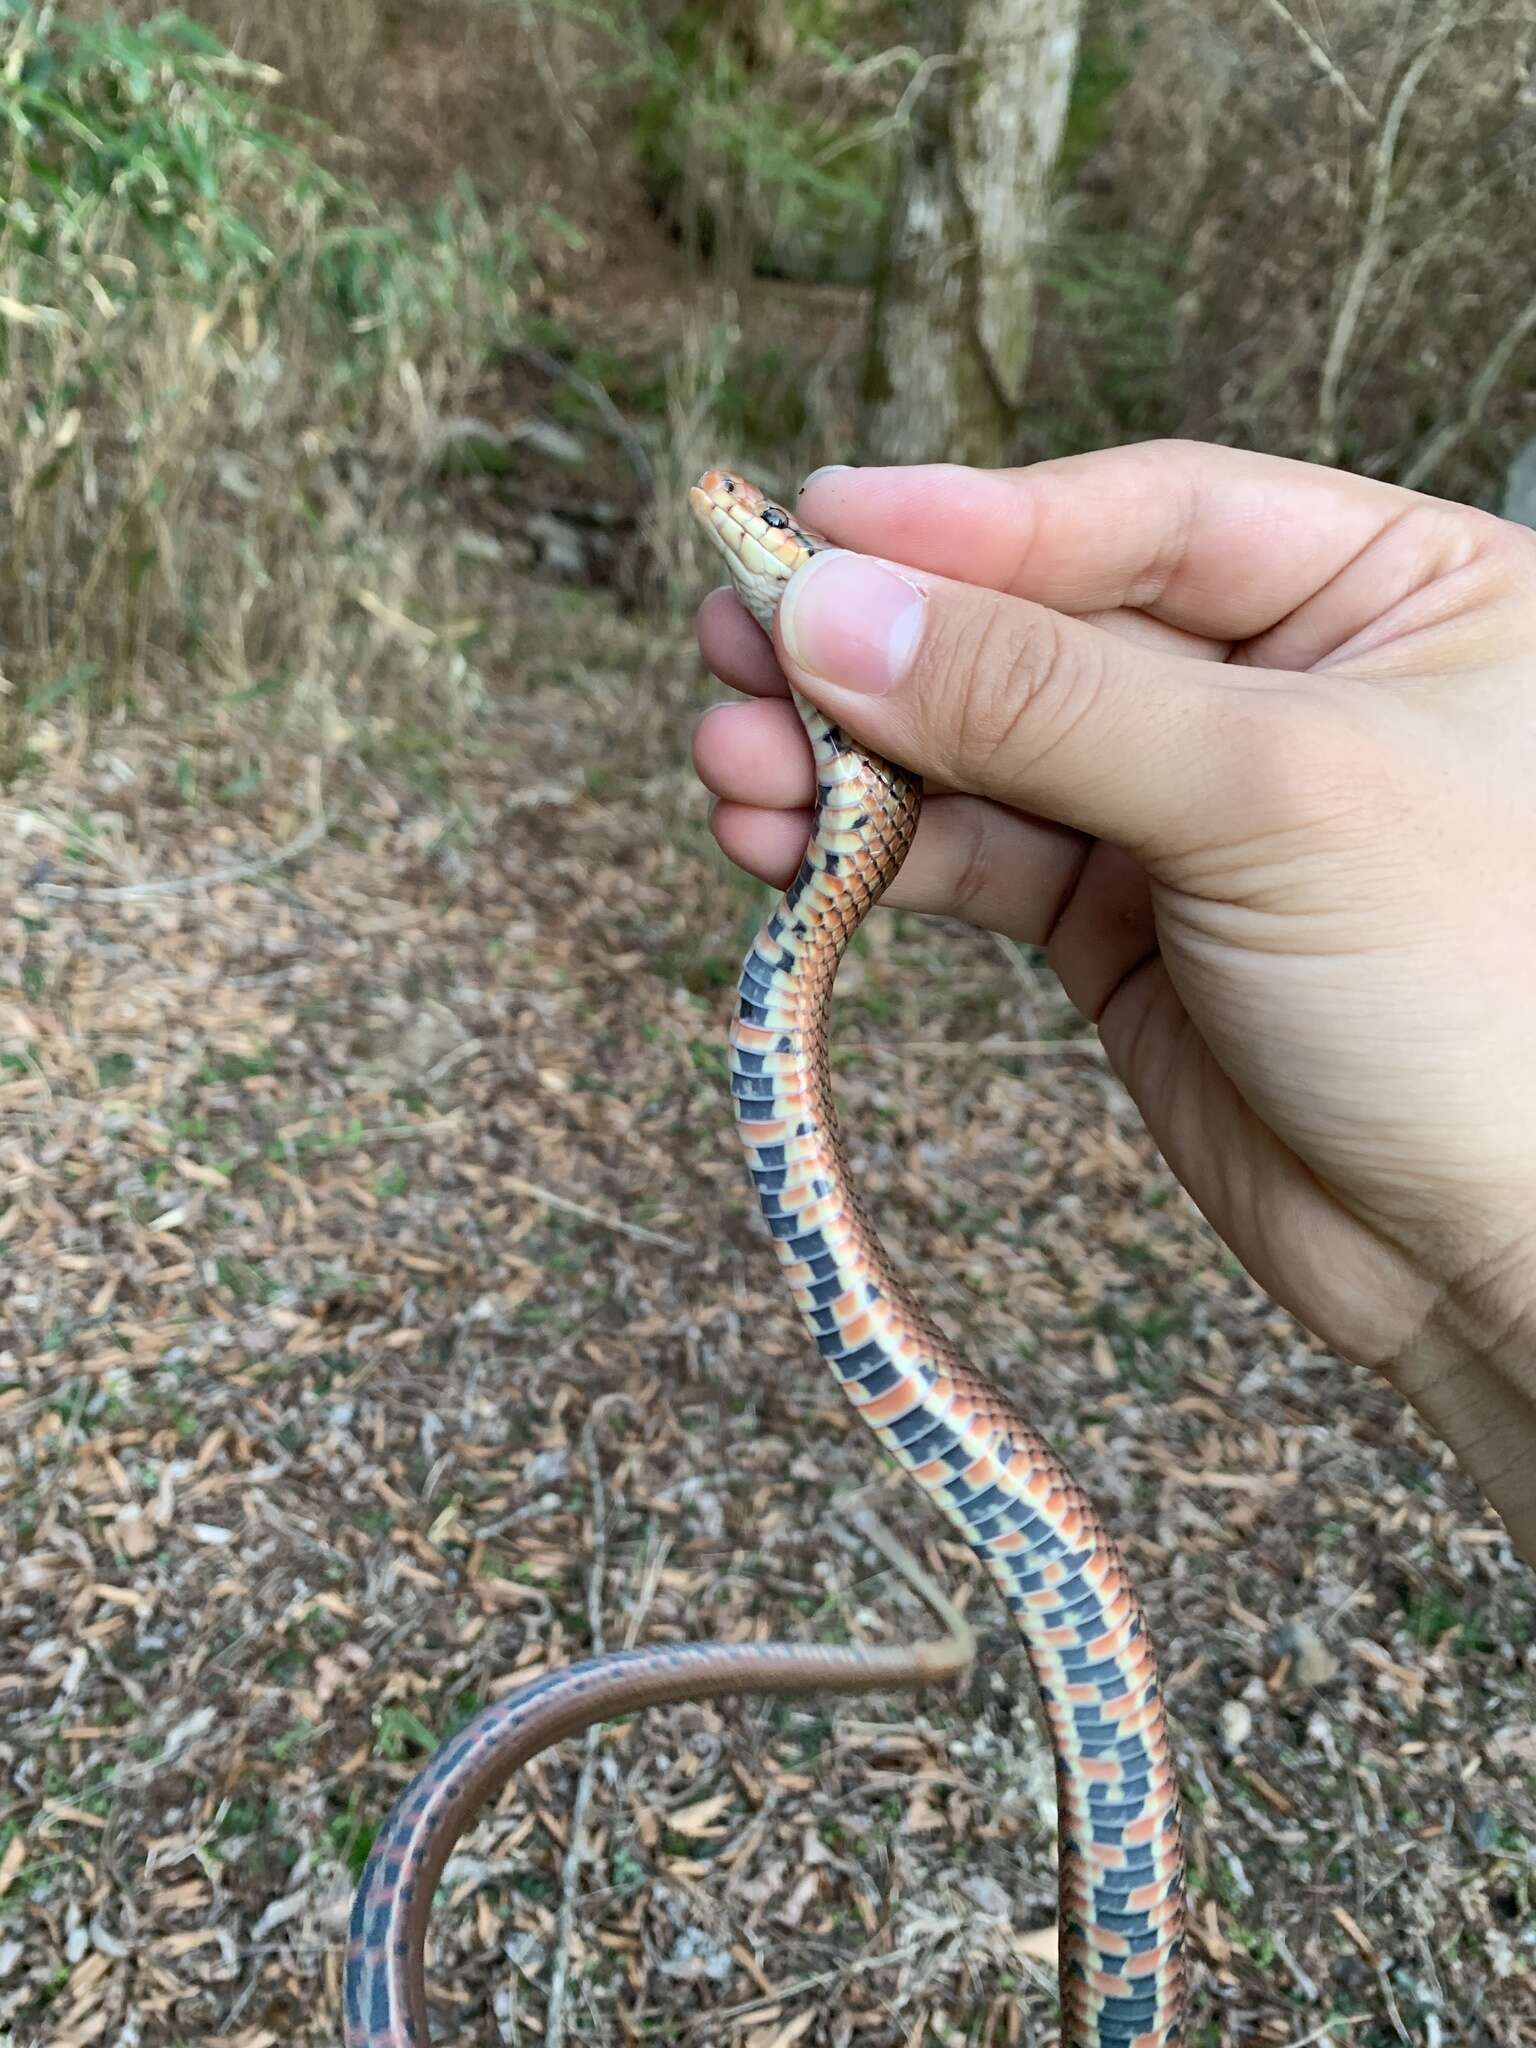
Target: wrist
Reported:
[(1470, 1371)]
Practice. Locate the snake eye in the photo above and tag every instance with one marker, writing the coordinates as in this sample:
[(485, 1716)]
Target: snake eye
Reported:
[(772, 516)]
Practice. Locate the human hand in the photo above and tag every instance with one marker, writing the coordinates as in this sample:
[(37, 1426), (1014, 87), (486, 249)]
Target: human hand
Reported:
[(1250, 747)]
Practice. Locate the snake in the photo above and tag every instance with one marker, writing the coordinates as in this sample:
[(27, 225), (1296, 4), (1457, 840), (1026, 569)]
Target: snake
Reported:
[(1121, 1909)]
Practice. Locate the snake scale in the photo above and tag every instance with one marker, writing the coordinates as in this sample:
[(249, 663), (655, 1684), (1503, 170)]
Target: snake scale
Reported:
[(1121, 1855)]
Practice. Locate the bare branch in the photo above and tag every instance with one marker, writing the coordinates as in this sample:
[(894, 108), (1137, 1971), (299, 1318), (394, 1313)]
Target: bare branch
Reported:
[(1323, 61), (1433, 450)]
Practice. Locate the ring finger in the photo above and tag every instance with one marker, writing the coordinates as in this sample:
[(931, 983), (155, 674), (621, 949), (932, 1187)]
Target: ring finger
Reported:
[(971, 859)]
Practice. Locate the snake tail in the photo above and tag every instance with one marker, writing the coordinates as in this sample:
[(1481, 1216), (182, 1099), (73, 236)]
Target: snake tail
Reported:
[(384, 1997)]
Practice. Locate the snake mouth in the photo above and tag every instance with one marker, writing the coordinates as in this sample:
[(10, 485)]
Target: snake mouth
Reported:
[(730, 508), (762, 545)]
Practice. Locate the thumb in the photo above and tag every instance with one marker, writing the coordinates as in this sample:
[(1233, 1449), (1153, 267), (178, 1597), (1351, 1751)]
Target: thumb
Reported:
[(1007, 699)]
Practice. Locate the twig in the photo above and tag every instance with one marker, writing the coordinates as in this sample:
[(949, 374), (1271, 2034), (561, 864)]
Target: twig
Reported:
[(1373, 242), (450, 1060), (922, 1582), (1322, 2032), (858, 1968), (537, 794), (182, 885), (554, 2019), (649, 1581), (1385, 1981), (1299, 1977), (1436, 446), (983, 1048), (1322, 60), (597, 397), (638, 1231), (1025, 976), (570, 122)]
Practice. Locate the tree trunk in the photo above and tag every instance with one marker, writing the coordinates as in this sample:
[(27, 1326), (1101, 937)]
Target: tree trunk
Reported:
[(954, 303)]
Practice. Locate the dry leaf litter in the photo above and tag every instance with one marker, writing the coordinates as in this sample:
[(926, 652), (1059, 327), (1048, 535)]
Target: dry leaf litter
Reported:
[(375, 1229)]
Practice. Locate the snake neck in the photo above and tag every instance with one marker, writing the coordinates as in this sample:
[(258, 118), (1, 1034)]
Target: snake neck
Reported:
[(865, 818)]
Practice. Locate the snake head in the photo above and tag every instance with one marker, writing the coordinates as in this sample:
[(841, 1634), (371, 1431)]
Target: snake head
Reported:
[(763, 545)]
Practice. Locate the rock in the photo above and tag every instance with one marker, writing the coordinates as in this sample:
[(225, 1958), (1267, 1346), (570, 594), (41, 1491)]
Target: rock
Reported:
[(524, 1952), (1312, 1662), (1483, 1827), (471, 447), (694, 1955), (987, 1893), (467, 446), (559, 444), (479, 547), (560, 546), (1236, 1725)]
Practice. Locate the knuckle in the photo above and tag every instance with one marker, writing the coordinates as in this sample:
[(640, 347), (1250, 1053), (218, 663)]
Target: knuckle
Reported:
[(1496, 561), (1166, 451), (1013, 693), (971, 865), (1442, 538), (1448, 534)]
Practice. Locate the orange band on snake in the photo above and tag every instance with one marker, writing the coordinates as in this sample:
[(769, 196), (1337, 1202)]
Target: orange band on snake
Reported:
[(1121, 1862)]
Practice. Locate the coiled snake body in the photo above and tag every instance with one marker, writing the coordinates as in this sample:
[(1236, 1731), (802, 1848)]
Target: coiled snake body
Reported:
[(1121, 1858)]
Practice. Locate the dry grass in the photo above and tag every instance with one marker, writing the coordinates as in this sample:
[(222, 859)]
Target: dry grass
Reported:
[(325, 53), (226, 402)]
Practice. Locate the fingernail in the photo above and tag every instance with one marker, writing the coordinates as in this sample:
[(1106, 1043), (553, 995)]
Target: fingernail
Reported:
[(852, 620), (826, 469)]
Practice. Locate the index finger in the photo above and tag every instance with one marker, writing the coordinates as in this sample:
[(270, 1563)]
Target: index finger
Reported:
[(1214, 541)]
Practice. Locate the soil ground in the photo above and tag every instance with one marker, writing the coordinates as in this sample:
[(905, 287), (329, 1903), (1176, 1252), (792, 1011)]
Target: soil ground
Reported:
[(389, 1322)]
